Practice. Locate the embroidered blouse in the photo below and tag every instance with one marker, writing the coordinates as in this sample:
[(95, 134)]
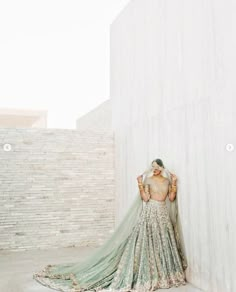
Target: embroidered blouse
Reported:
[(156, 189)]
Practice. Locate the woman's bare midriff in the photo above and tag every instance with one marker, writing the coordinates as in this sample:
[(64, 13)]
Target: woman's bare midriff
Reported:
[(158, 197)]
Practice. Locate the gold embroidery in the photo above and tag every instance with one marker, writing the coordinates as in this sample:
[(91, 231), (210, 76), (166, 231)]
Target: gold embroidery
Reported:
[(149, 259)]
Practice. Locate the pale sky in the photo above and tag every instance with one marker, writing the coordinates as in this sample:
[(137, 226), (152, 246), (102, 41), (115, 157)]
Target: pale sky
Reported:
[(54, 55)]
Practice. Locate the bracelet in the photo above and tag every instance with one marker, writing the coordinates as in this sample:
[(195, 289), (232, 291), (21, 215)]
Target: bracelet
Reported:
[(140, 184)]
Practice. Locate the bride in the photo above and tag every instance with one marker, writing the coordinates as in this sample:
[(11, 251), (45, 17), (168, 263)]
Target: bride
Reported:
[(144, 253)]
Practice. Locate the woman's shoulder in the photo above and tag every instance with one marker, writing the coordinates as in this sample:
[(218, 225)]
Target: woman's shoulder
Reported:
[(147, 180)]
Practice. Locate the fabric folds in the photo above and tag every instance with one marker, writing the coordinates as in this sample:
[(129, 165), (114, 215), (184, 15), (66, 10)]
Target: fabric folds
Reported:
[(145, 253)]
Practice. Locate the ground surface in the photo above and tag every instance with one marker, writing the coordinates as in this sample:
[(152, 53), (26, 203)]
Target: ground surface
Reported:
[(17, 268)]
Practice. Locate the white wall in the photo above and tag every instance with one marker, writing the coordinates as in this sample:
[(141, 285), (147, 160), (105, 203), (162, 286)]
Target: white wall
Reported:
[(173, 66)]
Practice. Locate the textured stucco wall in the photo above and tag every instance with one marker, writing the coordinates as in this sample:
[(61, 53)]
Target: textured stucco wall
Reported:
[(173, 97), (57, 188)]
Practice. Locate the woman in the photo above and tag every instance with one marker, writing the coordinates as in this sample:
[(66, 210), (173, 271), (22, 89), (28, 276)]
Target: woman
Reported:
[(144, 253)]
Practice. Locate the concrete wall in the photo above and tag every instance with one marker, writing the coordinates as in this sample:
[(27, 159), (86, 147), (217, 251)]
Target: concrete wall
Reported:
[(98, 119), (173, 97), (57, 188)]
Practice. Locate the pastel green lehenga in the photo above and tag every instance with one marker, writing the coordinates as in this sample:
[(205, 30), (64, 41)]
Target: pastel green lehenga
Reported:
[(144, 253)]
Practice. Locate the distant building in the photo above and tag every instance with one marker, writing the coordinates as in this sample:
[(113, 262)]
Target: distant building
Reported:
[(99, 118), (23, 118)]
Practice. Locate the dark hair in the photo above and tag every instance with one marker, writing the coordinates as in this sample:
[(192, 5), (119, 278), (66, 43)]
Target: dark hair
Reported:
[(159, 162)]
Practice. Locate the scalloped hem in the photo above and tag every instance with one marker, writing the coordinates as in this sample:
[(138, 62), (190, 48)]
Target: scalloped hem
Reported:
[(46, 280)]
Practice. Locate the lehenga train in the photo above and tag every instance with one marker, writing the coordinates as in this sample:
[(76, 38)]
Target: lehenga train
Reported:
[(149, 257)]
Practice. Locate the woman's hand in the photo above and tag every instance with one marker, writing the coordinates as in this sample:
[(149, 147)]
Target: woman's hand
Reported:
[(173, 177), (140, 178)]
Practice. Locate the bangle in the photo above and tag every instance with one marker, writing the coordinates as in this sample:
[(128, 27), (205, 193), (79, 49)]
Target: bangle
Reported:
[(140, 184)]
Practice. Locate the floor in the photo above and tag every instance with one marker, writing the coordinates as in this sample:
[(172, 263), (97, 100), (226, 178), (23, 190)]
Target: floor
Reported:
[(17, 268)]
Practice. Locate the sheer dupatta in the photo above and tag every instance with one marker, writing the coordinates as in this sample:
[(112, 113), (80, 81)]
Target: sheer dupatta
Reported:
[(102, 256), (175, 220), (173, 211)]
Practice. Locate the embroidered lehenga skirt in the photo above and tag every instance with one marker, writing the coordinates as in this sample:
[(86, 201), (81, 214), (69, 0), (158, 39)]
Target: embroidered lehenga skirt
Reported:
[(146, 261)]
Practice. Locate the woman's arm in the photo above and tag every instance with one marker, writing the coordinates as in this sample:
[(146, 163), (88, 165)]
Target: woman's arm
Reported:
[(144, 189), (173, 188)]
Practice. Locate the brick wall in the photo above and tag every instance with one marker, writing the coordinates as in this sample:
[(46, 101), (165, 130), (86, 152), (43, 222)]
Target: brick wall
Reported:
[(57, 188)]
